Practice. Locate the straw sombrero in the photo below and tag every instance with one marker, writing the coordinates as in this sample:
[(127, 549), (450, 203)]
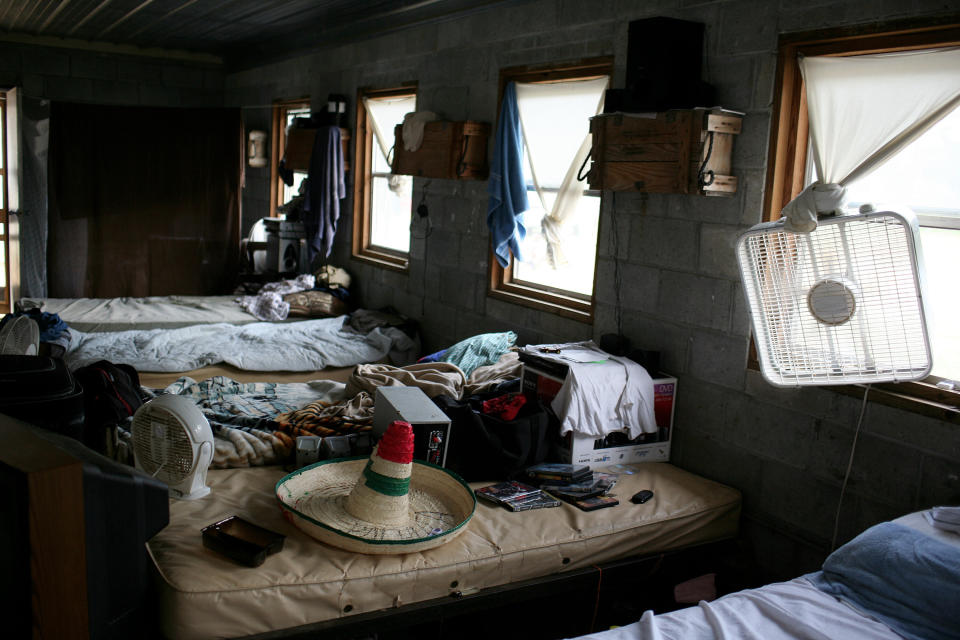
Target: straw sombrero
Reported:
[(387, 503)]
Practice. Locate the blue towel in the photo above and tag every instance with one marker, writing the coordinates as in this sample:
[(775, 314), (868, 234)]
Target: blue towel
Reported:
[(507, 187), (900, 576), (325, 190)]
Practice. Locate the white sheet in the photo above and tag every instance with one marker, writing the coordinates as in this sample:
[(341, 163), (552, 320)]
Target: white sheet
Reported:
[(780, 611), (260, 346)]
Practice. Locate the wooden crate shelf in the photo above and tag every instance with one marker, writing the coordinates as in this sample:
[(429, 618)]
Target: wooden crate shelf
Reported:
[(449, 150), (678, 151), (300, 148)]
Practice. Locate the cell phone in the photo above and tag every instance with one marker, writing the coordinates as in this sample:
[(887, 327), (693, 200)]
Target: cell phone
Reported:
[(241, 540), (599, 502)]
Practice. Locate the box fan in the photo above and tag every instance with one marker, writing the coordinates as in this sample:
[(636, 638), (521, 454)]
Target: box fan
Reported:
[(841, 304), (172, 442)]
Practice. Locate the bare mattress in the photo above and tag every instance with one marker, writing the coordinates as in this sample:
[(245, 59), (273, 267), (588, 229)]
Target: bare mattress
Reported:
[(204, 595)]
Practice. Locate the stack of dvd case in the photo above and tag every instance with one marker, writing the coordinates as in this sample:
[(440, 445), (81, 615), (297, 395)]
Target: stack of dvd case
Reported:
[(517, 496)]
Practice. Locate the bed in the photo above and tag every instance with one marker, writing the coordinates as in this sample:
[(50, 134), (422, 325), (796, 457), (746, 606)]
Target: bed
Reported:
[(164, 337), (310, 587), (898, 579)]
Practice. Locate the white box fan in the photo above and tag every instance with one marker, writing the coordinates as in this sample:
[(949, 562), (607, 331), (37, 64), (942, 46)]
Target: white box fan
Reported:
[(172, 442), (20, 336), (839, 305)]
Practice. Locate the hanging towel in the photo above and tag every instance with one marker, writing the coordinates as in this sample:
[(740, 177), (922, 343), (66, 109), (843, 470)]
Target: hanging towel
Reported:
[(326, 189), (507, 187)]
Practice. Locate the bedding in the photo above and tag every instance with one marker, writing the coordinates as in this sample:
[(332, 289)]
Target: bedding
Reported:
[(896, 580), (308, 345), (203, 595)]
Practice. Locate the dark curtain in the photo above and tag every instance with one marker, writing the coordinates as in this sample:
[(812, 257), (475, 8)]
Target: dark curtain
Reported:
[(143, 201)]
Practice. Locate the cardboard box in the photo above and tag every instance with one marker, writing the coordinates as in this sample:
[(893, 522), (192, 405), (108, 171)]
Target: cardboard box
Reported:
[(431, 427), (615, 448)]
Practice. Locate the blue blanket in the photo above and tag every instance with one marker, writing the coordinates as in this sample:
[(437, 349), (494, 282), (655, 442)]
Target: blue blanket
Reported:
[(507, 187), (900, 576)]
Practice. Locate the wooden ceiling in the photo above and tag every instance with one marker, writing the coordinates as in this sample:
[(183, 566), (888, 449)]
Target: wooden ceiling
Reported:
[(241, 33)]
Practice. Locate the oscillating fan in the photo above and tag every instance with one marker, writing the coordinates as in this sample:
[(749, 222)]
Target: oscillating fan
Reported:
[(172, 441), (839, 305), (20, 336)]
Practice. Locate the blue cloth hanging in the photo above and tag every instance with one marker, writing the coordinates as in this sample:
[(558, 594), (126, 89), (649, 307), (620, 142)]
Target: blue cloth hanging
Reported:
[(325, 191), (507, 187)]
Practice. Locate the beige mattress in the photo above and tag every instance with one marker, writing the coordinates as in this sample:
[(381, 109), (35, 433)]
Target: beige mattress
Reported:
[(154, 312), (204, 595)]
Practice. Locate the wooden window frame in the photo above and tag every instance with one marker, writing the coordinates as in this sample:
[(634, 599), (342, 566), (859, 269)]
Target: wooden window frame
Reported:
[(363, 249), (501, 284), (278, 142), (5, 301), (787, 161)]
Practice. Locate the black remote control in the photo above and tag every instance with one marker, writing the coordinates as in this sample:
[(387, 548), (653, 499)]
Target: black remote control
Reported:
[(641, 496)]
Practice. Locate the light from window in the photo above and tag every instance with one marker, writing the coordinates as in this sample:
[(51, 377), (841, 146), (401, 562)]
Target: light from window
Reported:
[(289, 191), (925, 177), (556, 118), (390, 195)]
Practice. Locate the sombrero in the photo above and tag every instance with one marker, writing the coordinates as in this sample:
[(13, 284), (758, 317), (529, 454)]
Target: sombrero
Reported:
[(387, 503)]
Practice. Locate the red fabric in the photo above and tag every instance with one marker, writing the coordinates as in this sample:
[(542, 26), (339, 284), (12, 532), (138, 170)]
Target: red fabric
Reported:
[(396, 445), (505, 407)]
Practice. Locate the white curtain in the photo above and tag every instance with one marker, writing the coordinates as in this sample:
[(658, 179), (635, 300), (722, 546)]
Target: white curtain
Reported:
[(550, 163), (383, 115), (863, 110)]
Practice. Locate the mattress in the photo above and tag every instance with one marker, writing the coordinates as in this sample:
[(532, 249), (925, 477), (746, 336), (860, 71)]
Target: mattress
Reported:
[(155, 312), (203, 595)]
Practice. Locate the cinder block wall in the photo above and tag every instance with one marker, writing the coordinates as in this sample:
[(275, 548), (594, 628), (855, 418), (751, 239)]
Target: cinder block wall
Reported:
[(785, 450), (74, 75)]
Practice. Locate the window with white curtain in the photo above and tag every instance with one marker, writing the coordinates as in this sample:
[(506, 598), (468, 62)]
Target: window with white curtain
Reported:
[(907, 160), (558, 254), (382, 200)]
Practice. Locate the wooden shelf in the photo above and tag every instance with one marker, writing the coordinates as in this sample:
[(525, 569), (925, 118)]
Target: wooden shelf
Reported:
[(456, 150), (300, 148), (677, 151)]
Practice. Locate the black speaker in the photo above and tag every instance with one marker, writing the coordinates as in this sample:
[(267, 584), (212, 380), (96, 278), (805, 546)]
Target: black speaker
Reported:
[(664, 64)]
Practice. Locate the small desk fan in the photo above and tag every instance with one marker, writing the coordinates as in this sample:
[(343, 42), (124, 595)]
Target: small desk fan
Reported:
[(20, 336), (172, 442), (839, 305)]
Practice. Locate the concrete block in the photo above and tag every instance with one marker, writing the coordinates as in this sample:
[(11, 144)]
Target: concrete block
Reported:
[(444, 248), (696, 452), (139, 69), (717, 358), (705, 409), (457, 289), (48, 62), (885, 470), (806, 504), (765, 72), (718, 252), (653, 334), (9, 57), (750, 148), (92, 65), (155, 95), (638, 285), (751, 185), (33, 84), (68, 89), (664, 243), (772, 433), (777, 550), (614, 230), (182, 76), (829, 450), (747, 26), (734, 80), (740, 322), (694, 300), (939, 482), (815, 401), (116, 92), (926, 434)]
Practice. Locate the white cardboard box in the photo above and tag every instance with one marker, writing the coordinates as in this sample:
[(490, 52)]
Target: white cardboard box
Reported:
[(431, 427), (616, 448)]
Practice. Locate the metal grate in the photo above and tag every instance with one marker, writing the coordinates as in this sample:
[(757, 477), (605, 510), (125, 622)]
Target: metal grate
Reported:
[(839, 305)]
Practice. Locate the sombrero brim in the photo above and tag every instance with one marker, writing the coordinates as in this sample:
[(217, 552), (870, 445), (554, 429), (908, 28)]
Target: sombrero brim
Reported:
[(441, 505)]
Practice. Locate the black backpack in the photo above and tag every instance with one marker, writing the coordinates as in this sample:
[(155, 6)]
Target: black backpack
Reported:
[(111, 395)]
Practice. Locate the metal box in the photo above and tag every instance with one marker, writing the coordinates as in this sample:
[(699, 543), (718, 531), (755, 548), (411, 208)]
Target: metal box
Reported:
[(431, 427)]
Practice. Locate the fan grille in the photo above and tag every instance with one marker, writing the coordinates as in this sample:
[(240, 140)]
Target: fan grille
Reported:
[(858, 275), (162, 447)]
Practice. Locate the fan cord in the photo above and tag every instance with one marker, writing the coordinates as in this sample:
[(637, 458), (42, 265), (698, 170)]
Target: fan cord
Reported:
[(846, 475)]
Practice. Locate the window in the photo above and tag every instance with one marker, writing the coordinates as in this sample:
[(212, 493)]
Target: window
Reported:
[(921, 176), (382, 201), (559, 251), (284, 112), (5, 306)]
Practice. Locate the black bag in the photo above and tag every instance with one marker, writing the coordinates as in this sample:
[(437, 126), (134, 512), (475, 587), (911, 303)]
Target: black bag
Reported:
[(111, 395), (483, 447)]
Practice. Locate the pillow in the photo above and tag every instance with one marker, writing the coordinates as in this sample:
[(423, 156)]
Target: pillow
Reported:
[(315, 304)]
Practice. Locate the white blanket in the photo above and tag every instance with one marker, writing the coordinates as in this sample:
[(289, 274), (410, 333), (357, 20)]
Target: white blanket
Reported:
[(260, 346)]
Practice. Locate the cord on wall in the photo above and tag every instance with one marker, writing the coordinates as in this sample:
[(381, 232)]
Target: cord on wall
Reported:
[(846, 476)]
